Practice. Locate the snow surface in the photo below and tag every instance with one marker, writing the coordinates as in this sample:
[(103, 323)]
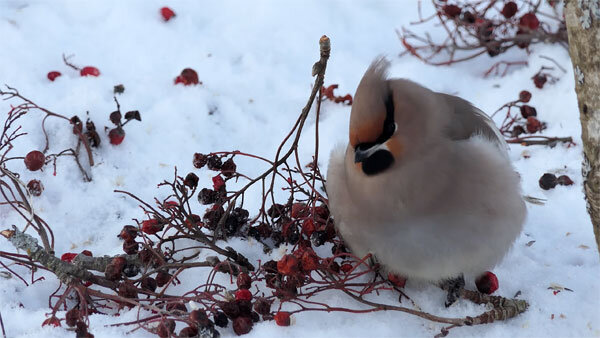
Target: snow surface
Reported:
[(254, 58)]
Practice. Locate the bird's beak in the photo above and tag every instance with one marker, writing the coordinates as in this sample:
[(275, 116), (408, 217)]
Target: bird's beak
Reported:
[(362, 154)]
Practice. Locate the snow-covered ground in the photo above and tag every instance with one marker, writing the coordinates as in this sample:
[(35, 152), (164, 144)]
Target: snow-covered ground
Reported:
[(254, 59)]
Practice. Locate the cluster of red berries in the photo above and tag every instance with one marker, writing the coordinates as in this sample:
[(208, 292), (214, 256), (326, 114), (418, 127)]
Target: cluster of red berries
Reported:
[(531, 123)]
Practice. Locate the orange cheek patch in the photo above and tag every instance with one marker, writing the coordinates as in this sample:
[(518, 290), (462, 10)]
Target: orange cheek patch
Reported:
[(395, 146), (367, 131)]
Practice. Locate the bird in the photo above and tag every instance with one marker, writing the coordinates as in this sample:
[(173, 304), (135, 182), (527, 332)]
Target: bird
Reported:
[(425, 183)]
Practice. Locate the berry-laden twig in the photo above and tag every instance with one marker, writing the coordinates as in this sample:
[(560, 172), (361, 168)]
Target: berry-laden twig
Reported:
[(492, 27)]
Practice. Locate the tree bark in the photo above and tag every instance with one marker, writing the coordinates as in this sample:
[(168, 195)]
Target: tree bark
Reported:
[(583, 26)]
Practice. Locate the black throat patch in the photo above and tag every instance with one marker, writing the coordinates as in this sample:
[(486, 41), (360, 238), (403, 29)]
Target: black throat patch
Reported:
[(378, 162)]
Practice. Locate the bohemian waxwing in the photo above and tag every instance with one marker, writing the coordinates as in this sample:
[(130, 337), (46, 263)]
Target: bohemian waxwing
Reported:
[(425, 183)]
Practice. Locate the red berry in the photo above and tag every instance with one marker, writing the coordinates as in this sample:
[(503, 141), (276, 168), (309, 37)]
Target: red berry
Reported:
[(72, 317), (487, 283), (116, 135), (128, 233), (35, 160), (244, 281), (288, 265), (167, 13), (524, 96), (243, 294), (53, 75), (282, 318), (89, 70), (162, 278), (451, 11), (35, 187), (188, 77), (529, 21), (533, 125), (151, 226), (242, 325), (87, 253), (396, 280), (218, 182), (509, 9), (308, 227), (564, 180), (300, 210), (68, 257), (51, 321), (539, 80), (346, 267), (309, 260)]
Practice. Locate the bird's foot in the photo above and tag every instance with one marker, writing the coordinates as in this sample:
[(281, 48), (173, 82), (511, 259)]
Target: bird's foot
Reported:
[(453, 286)]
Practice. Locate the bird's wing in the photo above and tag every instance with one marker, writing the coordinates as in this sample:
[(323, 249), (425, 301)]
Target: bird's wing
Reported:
[(468, 121)]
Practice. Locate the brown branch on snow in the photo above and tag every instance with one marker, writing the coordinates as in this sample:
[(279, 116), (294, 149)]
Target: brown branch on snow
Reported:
[(540, 140)]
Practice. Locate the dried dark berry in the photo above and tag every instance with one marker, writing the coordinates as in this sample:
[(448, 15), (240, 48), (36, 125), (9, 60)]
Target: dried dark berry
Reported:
[(255, 317), (119, 89), (527, 111), (162, 278), (77, 124), (127, 290), (529, 21), (220, 319), (228, 168), (200, 160), (564, 180), (190, 331), (276, 210), (451, 11), (548, 181), (242, 325), (191, 180), (128, 233), (282, 318), (35, 160), (214, 162), (149, 284), (244, 281), (131, 247), (93, 138), (288, 265), (493, 48), (176, 306), (145, 255), (35, 187), (262, 306), (516, 131), (115, 117), (468, 17), (200, 318), (539, 80), (231, 309), (166, 328), (270, 266), (72, 317), (213, 216), (133, 115), (533, 125), (509, 10), (319, 238), (524, 96), (207, 196), (245, 306), (131, 270)]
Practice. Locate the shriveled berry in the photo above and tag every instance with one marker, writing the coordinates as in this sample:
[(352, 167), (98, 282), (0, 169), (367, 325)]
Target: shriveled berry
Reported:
[(529, 21), (167, 13), (53, 75), (35, 160), (199, 317), (220, 319), (487, 283), (176, 306), (275, 210), (308, 226), (89, 71), (149, 284), (228, 168), (262, 306), (131, 270), (119, 89), (288, 265), (128, 233), (119, 262), (396, 280), (300, 210), (199, 160), (242, 325), (162, 278), (212, 216), (113, 272), (243, 294), (309, 260), (533, 125), (509, 10), (53, 321), (524, 96), (152, 226), (191, 180), (231, 309), (282, 318), (116, 136), (548, 181), (131, 247), (468, 17), (189, 331), (35, 187), (539, 80), (319, 237), (244, 281), (166, 328), (207, 196), (564, 180), (188, 77), (214, 162), (193, 221), (127, 290), (451, 11), (115, 117), (72, 317), (527, 111), (218, 183)]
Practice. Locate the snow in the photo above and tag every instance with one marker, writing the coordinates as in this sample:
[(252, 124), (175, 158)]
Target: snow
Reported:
[(254, 59)]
